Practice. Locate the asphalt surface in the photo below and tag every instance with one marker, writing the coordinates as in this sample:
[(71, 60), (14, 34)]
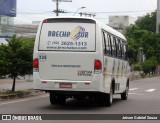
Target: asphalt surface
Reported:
[(144, 98)]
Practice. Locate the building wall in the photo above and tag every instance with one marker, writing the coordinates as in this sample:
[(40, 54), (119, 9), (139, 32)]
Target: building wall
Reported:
[(26, 30), (6, 28), (120, 22)]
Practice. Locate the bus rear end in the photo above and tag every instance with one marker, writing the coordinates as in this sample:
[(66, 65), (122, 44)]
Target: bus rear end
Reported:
[(65, 58)]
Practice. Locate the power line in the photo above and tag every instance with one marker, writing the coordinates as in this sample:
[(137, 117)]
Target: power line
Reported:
[(101, 12), (83, 5), (123, 12)]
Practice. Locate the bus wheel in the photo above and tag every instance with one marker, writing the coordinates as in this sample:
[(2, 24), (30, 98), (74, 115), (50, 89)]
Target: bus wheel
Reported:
[(105, 100), (61, 100), (56, 99), (124, 95), (109, 98), (53, 98)]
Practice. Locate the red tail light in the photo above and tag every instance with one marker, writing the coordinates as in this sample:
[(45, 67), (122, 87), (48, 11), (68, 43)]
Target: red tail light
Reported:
[(35, 63), (97, 66), (45, 21)]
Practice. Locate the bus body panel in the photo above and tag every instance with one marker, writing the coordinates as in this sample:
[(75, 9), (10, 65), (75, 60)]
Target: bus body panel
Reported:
[(67, 66), (77, 67)]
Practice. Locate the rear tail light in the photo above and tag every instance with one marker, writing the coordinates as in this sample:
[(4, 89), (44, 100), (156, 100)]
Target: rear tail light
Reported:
[(45, 21), (97, 66), (35, 63)]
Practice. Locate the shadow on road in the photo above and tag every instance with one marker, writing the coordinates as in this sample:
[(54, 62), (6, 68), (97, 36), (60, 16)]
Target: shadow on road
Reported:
[(79, 105)]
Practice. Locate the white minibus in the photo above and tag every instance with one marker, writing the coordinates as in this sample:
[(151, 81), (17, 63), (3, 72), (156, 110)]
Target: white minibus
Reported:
[(79, 57)]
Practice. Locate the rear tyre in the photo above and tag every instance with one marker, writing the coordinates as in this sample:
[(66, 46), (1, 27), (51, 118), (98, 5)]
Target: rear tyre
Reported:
[(124, 95), (105, 100), (61, 100), (109, 98), (53, 98), (56, 99)]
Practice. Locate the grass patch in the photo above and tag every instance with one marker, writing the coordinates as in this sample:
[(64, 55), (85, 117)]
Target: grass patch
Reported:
[(15, 93), (7, 94)]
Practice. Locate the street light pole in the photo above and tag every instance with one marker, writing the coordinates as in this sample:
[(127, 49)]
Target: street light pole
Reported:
[(78, 10), (158, 16)]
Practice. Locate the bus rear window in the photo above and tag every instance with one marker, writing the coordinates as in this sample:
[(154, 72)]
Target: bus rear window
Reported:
[(67, 36)]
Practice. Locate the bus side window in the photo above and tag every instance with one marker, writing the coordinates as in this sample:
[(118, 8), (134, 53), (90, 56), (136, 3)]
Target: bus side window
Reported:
[(125, 51), (114, 49), (104, 42), (119, 47), (109, 48)]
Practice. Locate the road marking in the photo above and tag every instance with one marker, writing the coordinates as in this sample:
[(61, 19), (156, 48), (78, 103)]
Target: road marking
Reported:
[(22, 100), (151, 90), (135, 94), (132, 89)]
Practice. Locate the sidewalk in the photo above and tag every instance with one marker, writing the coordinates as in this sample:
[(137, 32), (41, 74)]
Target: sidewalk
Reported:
[(21, 84)]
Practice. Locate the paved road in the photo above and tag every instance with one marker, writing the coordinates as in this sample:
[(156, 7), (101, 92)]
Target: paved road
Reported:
[(144, 98)]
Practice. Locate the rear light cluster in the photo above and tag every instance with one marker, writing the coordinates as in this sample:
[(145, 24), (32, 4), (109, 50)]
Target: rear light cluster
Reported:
[(45, 21), (97, 66), (35, 63)]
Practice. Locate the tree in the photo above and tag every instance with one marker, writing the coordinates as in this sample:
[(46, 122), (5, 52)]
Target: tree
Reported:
[(134, 37), (147, 22), (149, 65), (3, 67), (146, 66), (151, 45), (16, 57), (142, 35)]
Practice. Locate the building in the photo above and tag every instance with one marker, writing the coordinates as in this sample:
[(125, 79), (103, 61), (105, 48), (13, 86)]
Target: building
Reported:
[(26, 30), (6, 28), (120, 22)]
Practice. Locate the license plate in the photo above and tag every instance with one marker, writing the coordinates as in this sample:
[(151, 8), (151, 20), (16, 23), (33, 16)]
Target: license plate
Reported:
[(65, 85)]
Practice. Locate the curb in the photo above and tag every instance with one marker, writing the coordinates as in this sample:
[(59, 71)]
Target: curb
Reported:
[(132, 78)]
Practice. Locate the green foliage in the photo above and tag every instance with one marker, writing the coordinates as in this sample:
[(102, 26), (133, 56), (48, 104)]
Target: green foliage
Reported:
[(142, 35), (16, 56), (137, 67), (147, 22), (149, 65), (146, 66), (134, 38), (2, 63)]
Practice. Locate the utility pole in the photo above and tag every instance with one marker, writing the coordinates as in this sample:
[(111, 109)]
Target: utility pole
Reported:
[(57, 8), (57, 11), (158, 17)]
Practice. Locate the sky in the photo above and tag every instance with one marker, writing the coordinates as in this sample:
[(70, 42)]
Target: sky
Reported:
[(36, 10)]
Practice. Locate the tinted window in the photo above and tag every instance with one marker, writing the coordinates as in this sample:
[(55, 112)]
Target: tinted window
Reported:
[(104, 42), (119, 49), (108, 45), (124, 51), (114, 49)]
